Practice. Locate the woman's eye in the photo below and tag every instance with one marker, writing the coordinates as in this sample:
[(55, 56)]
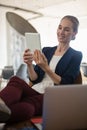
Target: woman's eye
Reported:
[(59, 28), (67, 30)]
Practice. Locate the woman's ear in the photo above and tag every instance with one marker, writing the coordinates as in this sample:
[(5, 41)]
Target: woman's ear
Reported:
[(74, 36)]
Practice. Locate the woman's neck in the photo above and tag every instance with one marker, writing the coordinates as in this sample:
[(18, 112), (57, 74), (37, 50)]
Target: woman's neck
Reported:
[(61, 49)]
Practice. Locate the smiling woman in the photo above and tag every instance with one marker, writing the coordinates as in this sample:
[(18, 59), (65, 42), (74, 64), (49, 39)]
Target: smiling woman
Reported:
[(50, 9), (54, 66)]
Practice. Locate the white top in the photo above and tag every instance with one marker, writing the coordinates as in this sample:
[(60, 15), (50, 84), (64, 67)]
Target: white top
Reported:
[(47, 81)]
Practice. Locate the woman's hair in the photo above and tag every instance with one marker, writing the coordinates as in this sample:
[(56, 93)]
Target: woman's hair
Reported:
[(74, 20)]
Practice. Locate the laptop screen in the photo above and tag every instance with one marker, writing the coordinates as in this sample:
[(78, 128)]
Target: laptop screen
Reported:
[(65, 107)]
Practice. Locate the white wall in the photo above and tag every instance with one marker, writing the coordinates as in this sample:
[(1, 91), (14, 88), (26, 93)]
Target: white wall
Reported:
[(3, 51), (3, 37)]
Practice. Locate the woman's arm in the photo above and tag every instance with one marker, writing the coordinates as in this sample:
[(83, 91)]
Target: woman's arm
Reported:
[(28, 59), (41, 61), (55, 77)]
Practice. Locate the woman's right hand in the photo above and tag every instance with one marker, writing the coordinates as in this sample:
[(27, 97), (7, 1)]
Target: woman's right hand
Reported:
[(28, 57)]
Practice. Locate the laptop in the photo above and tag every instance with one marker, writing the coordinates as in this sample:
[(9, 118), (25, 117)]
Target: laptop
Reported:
[(65, 108), (33, 41)]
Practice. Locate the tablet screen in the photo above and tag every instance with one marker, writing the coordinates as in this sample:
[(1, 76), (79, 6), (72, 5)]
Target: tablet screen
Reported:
[(33, 41)]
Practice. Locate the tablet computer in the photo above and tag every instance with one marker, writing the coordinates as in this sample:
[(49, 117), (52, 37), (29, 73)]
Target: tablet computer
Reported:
[(33, 41)]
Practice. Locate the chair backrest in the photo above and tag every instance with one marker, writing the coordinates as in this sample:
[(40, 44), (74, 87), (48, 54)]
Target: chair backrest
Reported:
[(78, 80), (22, 72), (7, 72)]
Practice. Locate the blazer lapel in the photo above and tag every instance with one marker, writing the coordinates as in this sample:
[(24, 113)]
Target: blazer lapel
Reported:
[(64, 61)]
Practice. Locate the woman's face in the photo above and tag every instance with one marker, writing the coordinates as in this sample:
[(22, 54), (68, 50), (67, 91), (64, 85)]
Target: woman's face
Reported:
[(65, 31)]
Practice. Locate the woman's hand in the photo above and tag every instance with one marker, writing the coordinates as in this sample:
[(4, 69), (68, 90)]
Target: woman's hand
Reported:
[(28, 57), (40, 59)]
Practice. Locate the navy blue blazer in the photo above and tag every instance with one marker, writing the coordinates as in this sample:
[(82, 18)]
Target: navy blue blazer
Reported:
[(68, 67)]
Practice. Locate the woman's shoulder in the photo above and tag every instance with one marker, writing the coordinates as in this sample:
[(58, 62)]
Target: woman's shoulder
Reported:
[(76, 53)]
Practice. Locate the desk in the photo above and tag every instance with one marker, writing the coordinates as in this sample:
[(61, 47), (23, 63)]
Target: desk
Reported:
[(25, 125)]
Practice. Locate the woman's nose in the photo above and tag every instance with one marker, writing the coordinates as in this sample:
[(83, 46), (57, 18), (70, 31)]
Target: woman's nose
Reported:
[(62, 31)]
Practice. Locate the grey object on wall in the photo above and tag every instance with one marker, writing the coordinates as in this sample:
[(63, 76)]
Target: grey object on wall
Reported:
[(20, 24)]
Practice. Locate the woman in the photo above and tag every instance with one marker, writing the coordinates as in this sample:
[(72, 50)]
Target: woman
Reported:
[(54, 66)]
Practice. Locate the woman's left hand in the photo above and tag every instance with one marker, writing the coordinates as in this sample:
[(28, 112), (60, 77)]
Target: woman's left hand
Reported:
[(40, 60)]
